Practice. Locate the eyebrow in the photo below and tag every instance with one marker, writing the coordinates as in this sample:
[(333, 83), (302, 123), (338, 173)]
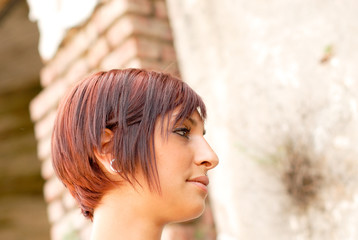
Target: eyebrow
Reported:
[(192, 121), (195, 123)]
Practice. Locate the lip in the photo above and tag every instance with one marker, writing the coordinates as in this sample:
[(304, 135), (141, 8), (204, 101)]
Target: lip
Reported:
[(202, 182)]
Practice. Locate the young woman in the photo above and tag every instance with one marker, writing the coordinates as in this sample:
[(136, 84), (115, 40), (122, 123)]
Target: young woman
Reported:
[(129, 145)]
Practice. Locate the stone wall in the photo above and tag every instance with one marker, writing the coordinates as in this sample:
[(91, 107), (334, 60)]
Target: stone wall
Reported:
[(119, 34), (280, 80)]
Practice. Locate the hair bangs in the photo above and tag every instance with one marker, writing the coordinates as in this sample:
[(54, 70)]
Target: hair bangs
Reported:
[(189, 102)]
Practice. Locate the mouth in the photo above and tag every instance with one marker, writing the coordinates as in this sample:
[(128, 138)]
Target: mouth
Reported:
[(201, 182)]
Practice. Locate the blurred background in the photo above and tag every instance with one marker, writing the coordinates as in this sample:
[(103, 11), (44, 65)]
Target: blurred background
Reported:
[(279, 79), (22, 206)]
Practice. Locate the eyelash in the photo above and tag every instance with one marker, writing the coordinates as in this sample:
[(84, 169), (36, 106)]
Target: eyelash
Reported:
[(184, 132)]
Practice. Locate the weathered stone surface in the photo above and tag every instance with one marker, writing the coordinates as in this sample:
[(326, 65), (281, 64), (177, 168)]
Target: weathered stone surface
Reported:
[(276, 74)]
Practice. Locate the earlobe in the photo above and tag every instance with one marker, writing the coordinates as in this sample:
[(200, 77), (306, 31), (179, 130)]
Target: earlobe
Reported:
[(111, 166)]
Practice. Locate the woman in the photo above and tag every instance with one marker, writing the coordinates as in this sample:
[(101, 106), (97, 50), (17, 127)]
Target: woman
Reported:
[(129, 146)]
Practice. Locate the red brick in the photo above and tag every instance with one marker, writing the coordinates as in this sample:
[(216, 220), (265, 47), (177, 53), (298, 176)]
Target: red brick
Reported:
[(173, 68), (66, 55), (47, 74), (55, 211), (77, 71), (53, 189), (44, 148), (90, 33), (53, 70), (47, 171), (76, 218), (95, 70), (86, 231), (153, 65), (44, 126), (148, 48), (109, 12), (121, 55), (55, 232), (69, 225), (120, 30), (161, 9), (80, 42), (47, 100), (168, 53), (97, 52), (61, 230), (140, 6), (135, 24), (151, 27), (104, 16), (169, 67), (133, 63), (68, 201)]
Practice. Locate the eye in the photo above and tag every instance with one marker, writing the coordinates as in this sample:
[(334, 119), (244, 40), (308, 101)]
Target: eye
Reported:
[(184, 132)]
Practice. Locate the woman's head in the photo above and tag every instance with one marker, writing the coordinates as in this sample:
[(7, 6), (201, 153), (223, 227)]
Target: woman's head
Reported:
[(128, 103)]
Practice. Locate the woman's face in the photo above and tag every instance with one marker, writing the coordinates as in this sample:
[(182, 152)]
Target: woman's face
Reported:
[(183, 160)]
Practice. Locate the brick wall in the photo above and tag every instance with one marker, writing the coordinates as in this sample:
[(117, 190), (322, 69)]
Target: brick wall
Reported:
[(119, 34)]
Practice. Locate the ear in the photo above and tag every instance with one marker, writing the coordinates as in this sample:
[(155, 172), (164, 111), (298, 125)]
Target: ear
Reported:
[(104, 155)]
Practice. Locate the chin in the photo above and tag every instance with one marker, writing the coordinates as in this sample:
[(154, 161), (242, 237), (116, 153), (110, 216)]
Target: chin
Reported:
[(192, 213)]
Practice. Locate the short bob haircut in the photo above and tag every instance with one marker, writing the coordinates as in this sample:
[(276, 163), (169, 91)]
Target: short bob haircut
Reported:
[(128, 102)]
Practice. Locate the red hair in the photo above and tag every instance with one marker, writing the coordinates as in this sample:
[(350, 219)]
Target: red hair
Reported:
[(128, 102)]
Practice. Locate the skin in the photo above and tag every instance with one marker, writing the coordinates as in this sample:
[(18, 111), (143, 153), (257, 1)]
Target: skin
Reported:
[(137, 213)]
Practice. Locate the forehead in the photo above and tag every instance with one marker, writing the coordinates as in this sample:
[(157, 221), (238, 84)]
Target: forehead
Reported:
[(195, 119), (176, 116), (173, 118)]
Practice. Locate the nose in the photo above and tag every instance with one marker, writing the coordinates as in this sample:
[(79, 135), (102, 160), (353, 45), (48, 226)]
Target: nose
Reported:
[(205, 155)]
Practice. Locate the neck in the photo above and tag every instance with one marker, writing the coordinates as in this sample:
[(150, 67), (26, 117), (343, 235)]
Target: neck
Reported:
[(120, 217)]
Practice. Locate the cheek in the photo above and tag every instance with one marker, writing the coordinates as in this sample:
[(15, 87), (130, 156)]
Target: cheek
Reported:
[(174, 160), (179, 200)]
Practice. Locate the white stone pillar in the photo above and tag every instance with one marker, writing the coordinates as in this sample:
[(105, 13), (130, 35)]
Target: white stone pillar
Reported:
[(280, 81)]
